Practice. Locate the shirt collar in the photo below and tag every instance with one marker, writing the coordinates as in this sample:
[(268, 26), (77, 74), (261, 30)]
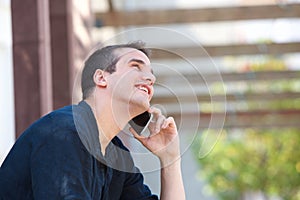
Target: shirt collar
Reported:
[(88, 132)]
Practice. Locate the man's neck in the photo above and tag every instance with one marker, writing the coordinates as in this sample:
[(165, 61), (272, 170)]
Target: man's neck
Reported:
[(109, 123)]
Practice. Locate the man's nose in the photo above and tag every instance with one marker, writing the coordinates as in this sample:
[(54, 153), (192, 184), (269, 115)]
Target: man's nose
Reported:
[(150, 78)]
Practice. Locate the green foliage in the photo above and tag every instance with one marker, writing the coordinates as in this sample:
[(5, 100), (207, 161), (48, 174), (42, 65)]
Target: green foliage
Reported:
[(266, 160), (272, 63), (252, 161)]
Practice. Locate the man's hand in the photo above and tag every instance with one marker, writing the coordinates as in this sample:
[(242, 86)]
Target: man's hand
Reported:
[(163, 140)]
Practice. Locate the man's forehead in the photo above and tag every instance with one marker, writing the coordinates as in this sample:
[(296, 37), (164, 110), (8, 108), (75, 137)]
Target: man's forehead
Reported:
[(131, 53)]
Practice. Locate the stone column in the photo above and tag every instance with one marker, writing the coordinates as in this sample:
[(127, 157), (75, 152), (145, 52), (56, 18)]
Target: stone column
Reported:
[(31, 60)]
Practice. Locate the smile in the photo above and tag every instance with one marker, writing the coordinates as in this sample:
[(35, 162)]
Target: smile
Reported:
[(144, 88)]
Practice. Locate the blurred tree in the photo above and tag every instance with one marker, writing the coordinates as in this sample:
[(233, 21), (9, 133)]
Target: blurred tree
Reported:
[(255, 161), (266, 161)]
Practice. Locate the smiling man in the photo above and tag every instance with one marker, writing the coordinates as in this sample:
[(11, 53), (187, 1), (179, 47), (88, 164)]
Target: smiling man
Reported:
[(74, 152)]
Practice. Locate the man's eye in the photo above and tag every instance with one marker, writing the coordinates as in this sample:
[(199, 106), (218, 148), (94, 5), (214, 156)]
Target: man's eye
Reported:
[(136, 65)]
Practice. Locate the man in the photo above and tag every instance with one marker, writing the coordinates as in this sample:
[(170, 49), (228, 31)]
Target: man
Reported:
[(74, 152)]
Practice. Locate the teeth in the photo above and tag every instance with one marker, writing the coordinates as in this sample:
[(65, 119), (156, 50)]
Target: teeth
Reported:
[(143, 88)]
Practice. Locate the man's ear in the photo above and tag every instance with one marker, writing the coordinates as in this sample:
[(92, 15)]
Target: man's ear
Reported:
[(99, 78)]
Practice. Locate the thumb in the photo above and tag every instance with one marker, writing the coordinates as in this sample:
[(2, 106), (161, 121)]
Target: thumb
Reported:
[(136, 135)]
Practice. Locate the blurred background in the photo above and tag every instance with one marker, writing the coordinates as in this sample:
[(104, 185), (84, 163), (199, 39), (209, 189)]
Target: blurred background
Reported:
[(227, 70)]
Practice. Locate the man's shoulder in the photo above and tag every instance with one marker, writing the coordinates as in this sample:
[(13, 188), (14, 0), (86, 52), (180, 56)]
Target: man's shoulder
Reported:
[(64, 114), (57, 121), (62, 118)]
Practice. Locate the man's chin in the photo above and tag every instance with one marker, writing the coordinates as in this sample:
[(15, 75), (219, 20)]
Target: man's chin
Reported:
[(140, 108)]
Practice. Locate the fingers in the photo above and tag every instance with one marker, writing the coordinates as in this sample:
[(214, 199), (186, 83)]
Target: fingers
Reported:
[(169, 122), (160, 121), (155, 112), (157, 121)]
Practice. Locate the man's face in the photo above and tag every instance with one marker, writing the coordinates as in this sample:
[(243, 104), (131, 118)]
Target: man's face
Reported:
[(131, 85)]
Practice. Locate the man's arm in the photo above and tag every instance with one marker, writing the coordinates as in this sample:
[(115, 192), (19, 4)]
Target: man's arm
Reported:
[(164, 143), (171, 182)]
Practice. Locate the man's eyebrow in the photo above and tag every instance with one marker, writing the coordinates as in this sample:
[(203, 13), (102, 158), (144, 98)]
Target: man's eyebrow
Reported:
[(139, 61)]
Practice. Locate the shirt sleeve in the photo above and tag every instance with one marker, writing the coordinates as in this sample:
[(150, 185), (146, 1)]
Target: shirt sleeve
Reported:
[(134, 188), (60, 167)]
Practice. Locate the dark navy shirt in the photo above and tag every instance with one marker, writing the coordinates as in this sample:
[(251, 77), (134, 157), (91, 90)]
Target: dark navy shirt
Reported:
[(59, 157)]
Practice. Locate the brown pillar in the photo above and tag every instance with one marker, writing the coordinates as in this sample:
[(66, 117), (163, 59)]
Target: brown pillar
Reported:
[(61, 50), (48, 51), (32, 61)]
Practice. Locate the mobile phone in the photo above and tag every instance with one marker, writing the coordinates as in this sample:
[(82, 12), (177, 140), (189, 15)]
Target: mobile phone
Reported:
[(141, 122)]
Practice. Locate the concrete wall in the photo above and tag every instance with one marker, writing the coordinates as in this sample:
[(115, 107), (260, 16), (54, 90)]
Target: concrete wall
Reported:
[(7, 130)]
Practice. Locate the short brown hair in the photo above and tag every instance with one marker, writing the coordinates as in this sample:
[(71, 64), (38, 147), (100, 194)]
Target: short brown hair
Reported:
[(104, 59)]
